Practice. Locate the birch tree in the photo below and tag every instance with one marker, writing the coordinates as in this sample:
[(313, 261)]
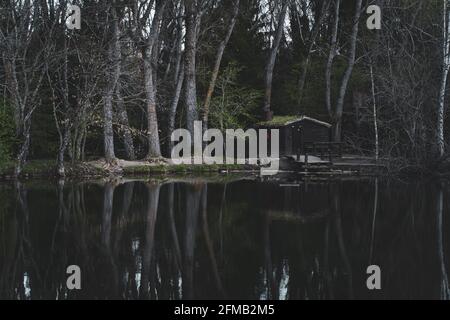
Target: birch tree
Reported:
[(445, 70), (337, 113), (375, 113)]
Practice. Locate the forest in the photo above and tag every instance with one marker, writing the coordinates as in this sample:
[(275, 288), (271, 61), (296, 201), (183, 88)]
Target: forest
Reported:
[(134, 71)]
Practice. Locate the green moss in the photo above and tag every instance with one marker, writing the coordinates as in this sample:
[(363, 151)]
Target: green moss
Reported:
[(183, 168), (47, 168), (277, 121)]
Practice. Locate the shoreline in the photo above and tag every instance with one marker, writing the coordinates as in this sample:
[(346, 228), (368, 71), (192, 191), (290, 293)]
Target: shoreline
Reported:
[(122, 169), (37, 169)]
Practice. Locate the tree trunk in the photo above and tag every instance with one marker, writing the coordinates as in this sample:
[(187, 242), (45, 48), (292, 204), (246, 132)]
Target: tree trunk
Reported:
[(174, 106), (178, 81), (62, 150), (347, 74), (268, 115), (219, 55), (312, 40), (125, 124), (331, 56), (445, 71), (64, 137), (154, 147), (375, 114), (190, 63), (154, 150), (23, 150), (114, 56)]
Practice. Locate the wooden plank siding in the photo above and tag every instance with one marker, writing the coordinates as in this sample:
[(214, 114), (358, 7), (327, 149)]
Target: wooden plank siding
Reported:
[(296, 133)]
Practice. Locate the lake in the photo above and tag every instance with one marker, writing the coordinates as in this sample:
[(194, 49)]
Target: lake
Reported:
[(226, 239)]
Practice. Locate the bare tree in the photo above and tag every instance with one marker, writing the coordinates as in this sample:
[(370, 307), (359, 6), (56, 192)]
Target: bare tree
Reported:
[(58, 80), (26, 54)]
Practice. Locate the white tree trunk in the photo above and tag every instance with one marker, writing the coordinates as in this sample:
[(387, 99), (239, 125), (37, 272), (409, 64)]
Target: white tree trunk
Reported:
[(445, 70), (347, 75), (375, 114), (331, 57)]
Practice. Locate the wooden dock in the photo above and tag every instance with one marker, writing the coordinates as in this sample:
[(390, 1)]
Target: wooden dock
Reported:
[(347, 165)]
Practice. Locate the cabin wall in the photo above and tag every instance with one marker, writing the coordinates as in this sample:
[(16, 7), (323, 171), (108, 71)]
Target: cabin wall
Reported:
[(313, 132), (295, 135), (307, 132)]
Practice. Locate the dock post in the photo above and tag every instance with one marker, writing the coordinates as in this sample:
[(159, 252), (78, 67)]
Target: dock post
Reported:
[(306, 161), (330, 154), (302, 146)]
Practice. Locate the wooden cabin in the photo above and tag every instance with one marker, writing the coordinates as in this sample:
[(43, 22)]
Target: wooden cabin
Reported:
[(297, 132)]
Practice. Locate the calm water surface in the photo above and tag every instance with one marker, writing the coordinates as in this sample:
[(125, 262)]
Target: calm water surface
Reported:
[(237, 240)]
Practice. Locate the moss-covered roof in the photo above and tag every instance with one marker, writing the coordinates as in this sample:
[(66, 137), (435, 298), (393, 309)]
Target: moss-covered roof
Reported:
[(280, 121)]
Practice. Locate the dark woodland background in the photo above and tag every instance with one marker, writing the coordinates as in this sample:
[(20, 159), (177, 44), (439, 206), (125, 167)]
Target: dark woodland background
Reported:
[(137, 70)]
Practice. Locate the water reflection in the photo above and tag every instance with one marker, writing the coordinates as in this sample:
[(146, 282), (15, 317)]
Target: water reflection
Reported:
[(195, 239)]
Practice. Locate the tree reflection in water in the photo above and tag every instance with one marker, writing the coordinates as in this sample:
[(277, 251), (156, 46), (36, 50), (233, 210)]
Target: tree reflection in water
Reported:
[(239, 240)]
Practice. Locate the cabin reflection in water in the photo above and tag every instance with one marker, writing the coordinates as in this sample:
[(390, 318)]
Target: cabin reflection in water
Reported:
[(238, 240)]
